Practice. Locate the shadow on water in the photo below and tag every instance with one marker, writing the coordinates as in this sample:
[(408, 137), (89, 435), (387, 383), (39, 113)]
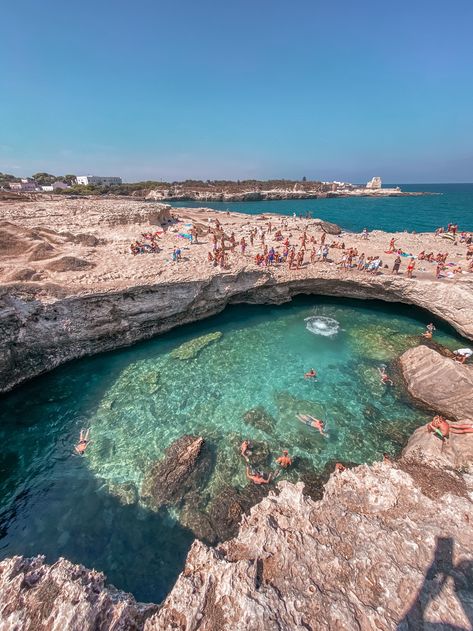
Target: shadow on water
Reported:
[(441, 570), (70, 515)]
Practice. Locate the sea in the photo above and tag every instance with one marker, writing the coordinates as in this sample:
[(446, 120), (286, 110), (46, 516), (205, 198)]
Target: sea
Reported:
[(447, 203)]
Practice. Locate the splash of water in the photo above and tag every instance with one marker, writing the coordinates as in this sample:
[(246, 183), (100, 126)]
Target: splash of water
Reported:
[(321, 325)]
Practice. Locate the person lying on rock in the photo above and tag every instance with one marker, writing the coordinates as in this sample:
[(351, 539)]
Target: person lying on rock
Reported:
[(442, 428), (257, 477), (285, 460)]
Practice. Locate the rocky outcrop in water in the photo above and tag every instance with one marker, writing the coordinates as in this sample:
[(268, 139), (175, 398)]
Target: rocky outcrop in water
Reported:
[(445, 386), (439, 382), (183, 467)]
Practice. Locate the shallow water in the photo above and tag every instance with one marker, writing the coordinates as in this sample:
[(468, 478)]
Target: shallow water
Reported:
[(139, 400)]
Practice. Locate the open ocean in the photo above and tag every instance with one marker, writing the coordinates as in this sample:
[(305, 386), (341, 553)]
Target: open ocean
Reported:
[(450, 203)]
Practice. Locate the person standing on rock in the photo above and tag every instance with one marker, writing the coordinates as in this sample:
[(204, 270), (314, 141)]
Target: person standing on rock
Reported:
[(410, 268), (397, 265)]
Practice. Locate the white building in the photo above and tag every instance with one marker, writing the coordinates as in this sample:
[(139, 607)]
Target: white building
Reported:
[(27, 184), (54, 186), (98, 180), (375, 183)]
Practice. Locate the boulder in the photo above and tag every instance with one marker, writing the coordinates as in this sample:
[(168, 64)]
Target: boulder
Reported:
[(328, 227), (443, 384), (184, 468), (260, 419)]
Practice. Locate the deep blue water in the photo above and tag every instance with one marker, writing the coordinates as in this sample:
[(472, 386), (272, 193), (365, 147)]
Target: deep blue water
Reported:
[(451, 203)]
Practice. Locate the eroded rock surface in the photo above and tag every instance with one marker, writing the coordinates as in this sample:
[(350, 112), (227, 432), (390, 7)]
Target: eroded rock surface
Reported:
[(439, 382), (371, 555), (35, 596), (446, 386), (388, 547), (179, 472)]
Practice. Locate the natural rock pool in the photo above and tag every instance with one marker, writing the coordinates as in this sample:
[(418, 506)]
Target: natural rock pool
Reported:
[(234, 376)]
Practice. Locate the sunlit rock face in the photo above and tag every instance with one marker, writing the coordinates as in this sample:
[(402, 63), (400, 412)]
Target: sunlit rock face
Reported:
[(446, 386), (371, 554)]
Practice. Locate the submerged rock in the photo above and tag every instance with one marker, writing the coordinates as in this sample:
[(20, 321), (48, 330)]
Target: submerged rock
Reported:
[(126, 492), (259, 418), (184, 468), (190, 350)]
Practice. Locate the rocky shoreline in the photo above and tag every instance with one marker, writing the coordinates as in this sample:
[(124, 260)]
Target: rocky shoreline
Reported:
[(388, 546), (274, 195), (69, 287)]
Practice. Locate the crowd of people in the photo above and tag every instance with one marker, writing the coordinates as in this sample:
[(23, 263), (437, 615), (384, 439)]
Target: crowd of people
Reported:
[(149, 243), (276, 243)]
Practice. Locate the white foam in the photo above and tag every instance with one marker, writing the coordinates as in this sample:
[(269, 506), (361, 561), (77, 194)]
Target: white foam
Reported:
[(321, 325)]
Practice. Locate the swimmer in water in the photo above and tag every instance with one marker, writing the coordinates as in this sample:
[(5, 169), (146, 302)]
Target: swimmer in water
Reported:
[(83, 443), (257, 477), (311, 374), (312, 422), (285, 460), (385, 378), (245, 449)]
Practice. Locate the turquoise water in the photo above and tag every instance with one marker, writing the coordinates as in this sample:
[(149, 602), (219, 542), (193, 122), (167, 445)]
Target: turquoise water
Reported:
[(452, 203), (138, 400)]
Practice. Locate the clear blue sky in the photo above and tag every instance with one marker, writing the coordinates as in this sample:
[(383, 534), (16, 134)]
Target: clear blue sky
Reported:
[(263, 88)]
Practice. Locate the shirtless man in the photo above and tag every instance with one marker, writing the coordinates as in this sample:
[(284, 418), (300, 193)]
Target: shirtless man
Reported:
[(83, 443), (258, 478), (311, 421), (285, 460)]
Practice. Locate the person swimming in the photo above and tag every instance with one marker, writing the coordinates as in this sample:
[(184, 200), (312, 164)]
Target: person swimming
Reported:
[(245, 449), (311, 421), (311, 374), (84, 441), (385, 378), (258, 477), (285, 460)]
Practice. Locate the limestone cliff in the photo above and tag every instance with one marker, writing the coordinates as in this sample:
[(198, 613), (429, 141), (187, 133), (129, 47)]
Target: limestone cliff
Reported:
[(388, 547), (40, 330)]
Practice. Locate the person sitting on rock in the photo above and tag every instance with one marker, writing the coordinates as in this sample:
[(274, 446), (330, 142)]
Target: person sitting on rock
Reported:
[(285, 460), (258, 477), (339, 467), (245, 449), (440, 427)]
